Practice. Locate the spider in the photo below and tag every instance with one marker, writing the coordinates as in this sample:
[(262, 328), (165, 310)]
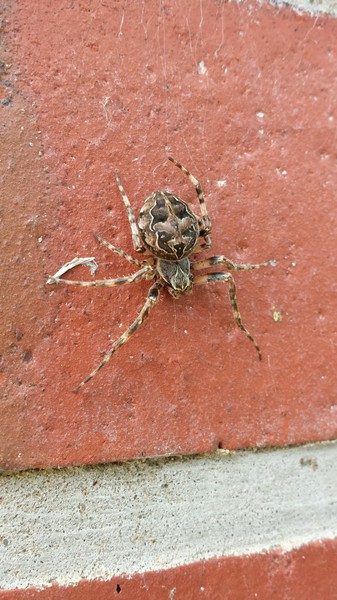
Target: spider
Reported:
[(170, 232)]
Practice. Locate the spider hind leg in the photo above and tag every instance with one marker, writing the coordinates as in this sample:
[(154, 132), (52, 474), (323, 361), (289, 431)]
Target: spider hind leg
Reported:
[(152, 299), (228, 278)]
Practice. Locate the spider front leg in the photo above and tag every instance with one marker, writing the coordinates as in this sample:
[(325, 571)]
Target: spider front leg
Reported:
[(152, 299), (119, 251), (228, 278), (146, 272), (138, 246), (222, 260), (205, 221)]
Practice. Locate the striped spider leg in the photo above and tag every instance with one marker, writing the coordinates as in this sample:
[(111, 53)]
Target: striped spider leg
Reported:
[(120, 252), (231, 266), (145, 272), (153, 295), (228, 278), (137, 244), (152, 299)]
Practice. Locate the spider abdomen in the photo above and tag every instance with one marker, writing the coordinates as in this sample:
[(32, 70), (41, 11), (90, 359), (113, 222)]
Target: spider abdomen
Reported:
[(168, 227)]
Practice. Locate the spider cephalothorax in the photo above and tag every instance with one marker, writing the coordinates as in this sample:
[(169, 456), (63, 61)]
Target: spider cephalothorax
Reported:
[(170, 231)]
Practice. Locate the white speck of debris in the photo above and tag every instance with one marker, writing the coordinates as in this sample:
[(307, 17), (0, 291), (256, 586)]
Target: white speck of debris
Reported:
[(284, 172), (260, 116), (221, 183), (202, 70), (40, 239), (293, 264), (31, 144), (330, 118), (185, 331)]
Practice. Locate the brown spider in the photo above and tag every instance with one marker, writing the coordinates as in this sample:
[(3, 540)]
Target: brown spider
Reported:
[(169, 230)]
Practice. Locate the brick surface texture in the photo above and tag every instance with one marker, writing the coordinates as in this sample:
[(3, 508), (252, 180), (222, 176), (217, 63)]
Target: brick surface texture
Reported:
[(242, 94)]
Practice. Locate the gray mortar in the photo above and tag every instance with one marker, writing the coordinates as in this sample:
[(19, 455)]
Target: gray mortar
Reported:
[(96, 522), (314, 7)]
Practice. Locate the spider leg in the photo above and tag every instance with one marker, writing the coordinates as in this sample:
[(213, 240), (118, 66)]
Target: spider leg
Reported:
[(138, 246), (120, 252), (200, 247), (152, 299), (205, 223), (144, 273), (222, 260), (228, 278)]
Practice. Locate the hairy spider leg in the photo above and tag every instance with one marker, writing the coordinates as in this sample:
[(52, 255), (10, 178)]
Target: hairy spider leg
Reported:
[(121, 252), (228, 278), (222, 260), (152, 299), (206, 224), (200, 247), (144, 273), (138, 246)]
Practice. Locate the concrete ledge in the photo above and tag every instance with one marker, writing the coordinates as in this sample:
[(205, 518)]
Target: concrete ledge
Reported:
[(62, 526), (328, 7)]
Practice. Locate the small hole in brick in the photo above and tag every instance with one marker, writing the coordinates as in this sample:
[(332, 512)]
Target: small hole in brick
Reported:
[(27, 356), (118, 588)]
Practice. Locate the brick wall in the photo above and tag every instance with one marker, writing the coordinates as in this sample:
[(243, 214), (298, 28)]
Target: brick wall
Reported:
[(243, 95)]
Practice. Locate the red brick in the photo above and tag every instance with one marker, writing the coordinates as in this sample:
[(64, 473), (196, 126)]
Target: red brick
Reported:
[(117, 86), (308, 573)]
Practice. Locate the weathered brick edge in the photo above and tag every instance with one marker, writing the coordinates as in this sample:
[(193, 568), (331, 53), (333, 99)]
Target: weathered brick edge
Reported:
[(306, 573)]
